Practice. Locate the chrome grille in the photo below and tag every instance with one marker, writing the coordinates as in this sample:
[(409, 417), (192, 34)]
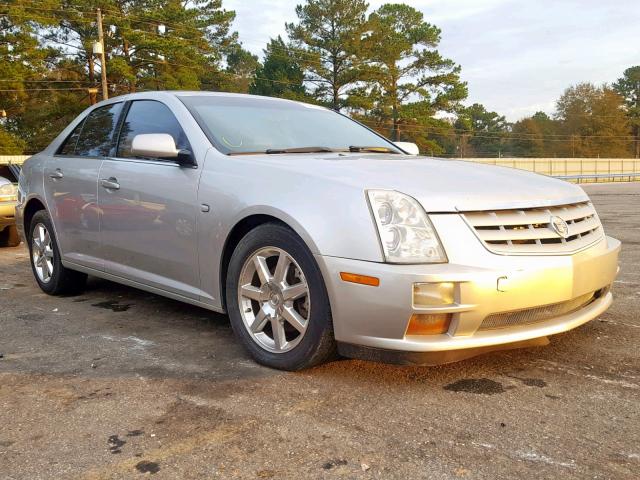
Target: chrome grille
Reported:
[(529, 230), (535, 315)]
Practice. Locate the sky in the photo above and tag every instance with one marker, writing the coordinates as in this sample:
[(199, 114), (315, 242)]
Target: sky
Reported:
[(517, 56)]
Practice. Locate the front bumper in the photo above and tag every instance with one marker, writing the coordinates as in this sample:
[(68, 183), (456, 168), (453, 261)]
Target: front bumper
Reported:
[(7, 214), (372, 321)]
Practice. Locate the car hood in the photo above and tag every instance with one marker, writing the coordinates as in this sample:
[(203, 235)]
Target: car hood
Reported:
[(440, 185)]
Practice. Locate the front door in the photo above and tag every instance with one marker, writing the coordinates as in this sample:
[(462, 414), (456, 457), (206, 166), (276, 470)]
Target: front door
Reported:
[(148, 208), (70, 180)]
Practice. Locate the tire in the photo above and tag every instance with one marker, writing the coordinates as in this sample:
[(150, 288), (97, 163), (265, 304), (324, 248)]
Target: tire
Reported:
[(306, 305), (9, 237), (52, 277)]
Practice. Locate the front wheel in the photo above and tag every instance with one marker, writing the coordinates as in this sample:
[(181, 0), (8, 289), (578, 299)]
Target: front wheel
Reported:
[(277, 301)]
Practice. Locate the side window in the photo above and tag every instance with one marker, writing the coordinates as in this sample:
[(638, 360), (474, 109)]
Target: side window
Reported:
[(97, 133), (149, 116), (69, 145)]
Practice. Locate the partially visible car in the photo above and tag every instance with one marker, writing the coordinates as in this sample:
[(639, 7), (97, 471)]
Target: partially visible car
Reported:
[(8, 198)]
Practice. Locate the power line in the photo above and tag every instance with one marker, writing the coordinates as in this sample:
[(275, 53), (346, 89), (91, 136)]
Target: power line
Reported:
[(416, 128), (40, 89), (287, 56), (40, 81), (444, 131)]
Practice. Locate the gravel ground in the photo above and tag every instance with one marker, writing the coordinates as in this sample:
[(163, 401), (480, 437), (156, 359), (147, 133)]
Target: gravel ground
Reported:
[(118, 383)]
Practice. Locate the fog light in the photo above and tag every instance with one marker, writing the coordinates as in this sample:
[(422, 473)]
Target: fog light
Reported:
[(428, 324), (433, 294)]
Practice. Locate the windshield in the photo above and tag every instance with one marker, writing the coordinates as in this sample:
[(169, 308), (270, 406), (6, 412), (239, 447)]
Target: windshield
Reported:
[(242, 125)]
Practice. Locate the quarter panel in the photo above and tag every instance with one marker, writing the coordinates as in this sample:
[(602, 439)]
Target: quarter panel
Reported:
[(30, 186)]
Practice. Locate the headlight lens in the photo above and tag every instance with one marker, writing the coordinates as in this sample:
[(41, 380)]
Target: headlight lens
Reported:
[(8, 192), (405, 231)]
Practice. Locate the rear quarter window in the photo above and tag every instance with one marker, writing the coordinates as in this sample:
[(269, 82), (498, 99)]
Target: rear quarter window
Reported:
[(69, 145)]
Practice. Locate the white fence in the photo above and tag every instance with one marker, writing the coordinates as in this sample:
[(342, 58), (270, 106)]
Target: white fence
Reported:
[(574, 169), (13, 159)]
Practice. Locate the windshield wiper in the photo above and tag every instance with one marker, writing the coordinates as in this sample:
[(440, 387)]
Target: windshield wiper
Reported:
[(353, 148), (299, 150)]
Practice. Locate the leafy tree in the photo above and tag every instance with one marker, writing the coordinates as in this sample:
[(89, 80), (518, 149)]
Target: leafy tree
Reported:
[(527, 139), (482, 131), (9, 143), (149, 44), (327, 39), (280, 74), (536, 136), (628, 87), (168, 44), (241, 67), (407, 69), (236, 76), (37, 75), (594, 122)]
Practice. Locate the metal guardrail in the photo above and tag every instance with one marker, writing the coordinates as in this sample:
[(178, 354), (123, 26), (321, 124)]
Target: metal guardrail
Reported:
[(600, 176)]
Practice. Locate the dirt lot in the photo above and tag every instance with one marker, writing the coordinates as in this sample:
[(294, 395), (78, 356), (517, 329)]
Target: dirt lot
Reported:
[(118, 383)]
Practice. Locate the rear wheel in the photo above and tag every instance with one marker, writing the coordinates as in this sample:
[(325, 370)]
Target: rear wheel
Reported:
[(52, 277), (277, 301), (9, 237)]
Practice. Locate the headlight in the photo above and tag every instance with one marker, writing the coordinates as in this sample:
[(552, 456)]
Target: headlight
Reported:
[(8, 192), (405, 231)]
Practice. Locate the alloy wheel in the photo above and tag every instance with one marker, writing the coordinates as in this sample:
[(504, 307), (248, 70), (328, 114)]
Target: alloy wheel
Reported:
[(274, 299), (42, 253)]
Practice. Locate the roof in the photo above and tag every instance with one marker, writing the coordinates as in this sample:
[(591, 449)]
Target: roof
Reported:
[(193, 93)]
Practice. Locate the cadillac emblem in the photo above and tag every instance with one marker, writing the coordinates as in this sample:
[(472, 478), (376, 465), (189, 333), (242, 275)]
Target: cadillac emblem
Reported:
[(559, 226)]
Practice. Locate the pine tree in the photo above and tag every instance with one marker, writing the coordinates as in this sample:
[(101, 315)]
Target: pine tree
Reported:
[(280, 74), (406, 71), (482, 131), (327, 39)]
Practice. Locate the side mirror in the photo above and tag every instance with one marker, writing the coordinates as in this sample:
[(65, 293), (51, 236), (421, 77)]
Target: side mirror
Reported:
[(160, 145), (408, 147)]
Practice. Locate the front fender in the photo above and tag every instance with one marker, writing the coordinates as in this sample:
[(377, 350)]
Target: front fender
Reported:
[(331, 217), (279, 214)]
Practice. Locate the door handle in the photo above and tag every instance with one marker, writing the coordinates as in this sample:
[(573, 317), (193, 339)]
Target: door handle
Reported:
[(57, 174), (110, 183)]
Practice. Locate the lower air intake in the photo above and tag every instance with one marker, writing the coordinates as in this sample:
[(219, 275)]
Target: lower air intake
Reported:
[(537, 314)]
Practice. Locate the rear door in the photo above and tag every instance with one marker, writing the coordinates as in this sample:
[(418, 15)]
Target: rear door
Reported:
[(70, 180), (149, 207)]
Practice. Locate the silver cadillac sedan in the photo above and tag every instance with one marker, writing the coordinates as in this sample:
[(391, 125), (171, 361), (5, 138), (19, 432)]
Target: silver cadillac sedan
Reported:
[(315, 234)]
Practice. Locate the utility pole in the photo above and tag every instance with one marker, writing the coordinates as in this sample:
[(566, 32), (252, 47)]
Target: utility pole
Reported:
[(103, 62)]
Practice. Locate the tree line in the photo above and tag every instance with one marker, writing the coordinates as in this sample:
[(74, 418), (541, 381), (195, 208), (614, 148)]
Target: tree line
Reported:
[(382, 67)]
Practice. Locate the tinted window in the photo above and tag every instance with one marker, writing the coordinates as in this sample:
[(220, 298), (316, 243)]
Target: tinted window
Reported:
[(97, 132), (148, 116), (69, 145)]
